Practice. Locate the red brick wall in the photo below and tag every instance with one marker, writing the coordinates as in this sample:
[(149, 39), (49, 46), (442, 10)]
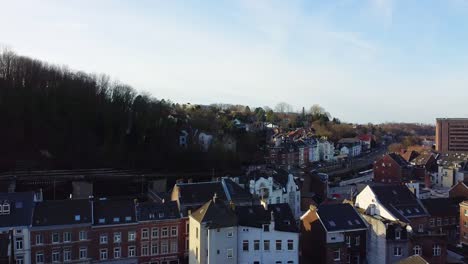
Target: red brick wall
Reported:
[(459, 190), (390, 173), (110, 230), (427, 243), (463, 224)]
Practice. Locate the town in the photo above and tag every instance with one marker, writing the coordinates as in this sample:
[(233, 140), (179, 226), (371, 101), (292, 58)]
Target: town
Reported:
[(312, 201)]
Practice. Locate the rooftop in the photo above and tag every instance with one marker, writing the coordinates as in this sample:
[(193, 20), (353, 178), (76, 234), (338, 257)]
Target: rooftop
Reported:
[(340, 217)]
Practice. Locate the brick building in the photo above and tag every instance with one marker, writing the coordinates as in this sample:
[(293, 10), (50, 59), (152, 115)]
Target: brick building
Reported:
[(392, 168), (464, 222), (451, 134)]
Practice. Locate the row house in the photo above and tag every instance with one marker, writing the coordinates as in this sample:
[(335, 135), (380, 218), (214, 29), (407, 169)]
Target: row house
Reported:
[(389, 240), (392, 168), (398, 203), (333, 233), (16, 214), (350, 147), (273, 186), (221, 233)]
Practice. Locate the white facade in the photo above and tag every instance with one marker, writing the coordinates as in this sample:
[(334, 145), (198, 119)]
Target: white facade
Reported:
[(273, 193), (447, 176), (261, 246), (21, 243), (366, 198), (211, 246), (314, 154), (326, 150)]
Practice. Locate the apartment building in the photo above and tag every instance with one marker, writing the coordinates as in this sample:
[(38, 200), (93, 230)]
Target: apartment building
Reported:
[(452, 134)]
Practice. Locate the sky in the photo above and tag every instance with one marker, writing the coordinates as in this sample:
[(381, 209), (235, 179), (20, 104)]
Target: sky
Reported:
[(362, 60)]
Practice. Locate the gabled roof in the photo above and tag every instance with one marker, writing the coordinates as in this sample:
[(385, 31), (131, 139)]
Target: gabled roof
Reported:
[(21, 209), (215, 214), (235, 191), (442, 206), (422, 159), (399, 201), (199, 193), (114, 212), (62, 212), (399, 159), (284, 218), (365, 137), (253, 216), (415, 259), (340, 217), (410, 155), (348, 141), (150, 211)]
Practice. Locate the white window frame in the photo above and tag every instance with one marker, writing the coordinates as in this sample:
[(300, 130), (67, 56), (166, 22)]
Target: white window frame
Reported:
[(103, 239), (103, 254), (117, 252)]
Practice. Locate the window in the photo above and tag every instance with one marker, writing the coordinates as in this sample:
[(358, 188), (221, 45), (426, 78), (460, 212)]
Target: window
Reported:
[(358, 241), (431, 222), (131, 251), (164, 232), (144, 250), (154, 248), (83, 253), (154, 232), (77, 217), (196, 232), (66, 236), (39, 257), (103, 239), (164, 247), (397, 234), (196, 253), (117, 253), (19, 243), (116, 219), (421, 228), (436, 250), (117, 237), (187, 226), (230, 233), (266, 245), (348, 241), (417, 250), (174, 246), (278, 244), (66, 255), (230, 253), (83, 235), (19, 259), (290, 244), (131, 235), (102, 220), (103, 254), (439, 221), (278, 200), (446, 221), (245, 245), (55, 238), (39, 239), (128, 218), (256, 245), (336, 255), (55, 256), (266, 228), (397, 251), (174, 231), (144, 233)]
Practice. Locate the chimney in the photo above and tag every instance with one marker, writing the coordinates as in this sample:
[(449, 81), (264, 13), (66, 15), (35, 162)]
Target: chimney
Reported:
[(215, 197), (372, 209)]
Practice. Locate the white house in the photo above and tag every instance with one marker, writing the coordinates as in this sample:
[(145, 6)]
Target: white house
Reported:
[(350, 146), (205, 140), (274, 187), (326, 149)]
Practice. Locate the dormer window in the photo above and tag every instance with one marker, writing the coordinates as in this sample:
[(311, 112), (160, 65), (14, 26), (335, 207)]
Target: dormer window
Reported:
[(116, 219), (5, 208), (77, 217), (151, 216), (102, 220), (397, 234)]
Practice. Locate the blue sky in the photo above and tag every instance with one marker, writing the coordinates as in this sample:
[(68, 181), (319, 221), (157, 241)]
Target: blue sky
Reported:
[(363, 60)]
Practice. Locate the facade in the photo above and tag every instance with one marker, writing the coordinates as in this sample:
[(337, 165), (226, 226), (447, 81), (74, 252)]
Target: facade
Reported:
[(459, 190), (391, 168), (273, 187), (350, 146), (326, 150), (464, 223), (16, 214), (444, 216), (333, 233), (451, 134), (389, 240)]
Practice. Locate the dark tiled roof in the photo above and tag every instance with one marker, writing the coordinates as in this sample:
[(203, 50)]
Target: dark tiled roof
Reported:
[(148, 211), (107, 212), (415, 259), (216, 214), (422, 159), (399, 200), (235, 192), (62, 212), (257, 216), (21, 209), (399, 159), (193, 193), (336, 217), (442, 206)]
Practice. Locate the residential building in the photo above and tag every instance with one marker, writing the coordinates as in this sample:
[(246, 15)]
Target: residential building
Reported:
[(459, 190), (333, 233), (444, 216), (398, 203), (61, 232), (449, 169), (160, 234), (391, 169), (464, 222), (114, 231), (16, 214), (451, 134), (389, 241), (267, 235), (213, 234), (273, 186), (326, 149), (366, 141), (350, 146)]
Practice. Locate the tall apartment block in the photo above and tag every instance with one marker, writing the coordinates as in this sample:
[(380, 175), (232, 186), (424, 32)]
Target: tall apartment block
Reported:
[(451, 134)]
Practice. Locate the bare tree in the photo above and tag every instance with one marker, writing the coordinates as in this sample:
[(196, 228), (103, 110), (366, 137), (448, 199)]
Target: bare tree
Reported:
[(283, 107)]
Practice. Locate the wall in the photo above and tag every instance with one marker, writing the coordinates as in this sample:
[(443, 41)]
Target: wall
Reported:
[(218, 243)]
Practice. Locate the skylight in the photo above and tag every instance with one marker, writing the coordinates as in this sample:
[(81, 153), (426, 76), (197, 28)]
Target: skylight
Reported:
[(102, 220), (77, 217), (332, 223), (356, 221), (350, 223), (128, 218), (116, 219)]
